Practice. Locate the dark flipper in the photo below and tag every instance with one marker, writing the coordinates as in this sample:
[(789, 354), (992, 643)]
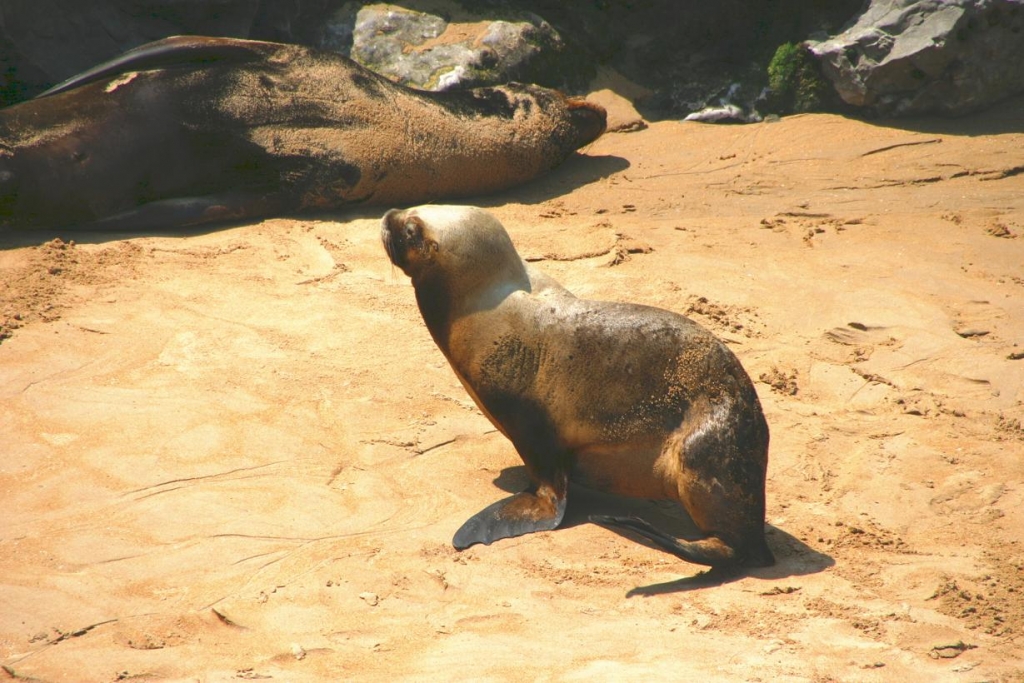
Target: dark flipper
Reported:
[(516, 515), (710, 551), (169, 52), (184, 212)]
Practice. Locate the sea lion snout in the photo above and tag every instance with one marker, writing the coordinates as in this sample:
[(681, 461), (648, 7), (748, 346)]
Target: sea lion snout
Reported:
[(404, 239)]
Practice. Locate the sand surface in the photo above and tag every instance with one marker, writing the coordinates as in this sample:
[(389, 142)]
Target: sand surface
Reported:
[(238, 454)]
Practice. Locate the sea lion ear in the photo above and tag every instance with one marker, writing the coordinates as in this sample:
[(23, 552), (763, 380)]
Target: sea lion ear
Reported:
[(414, 233)]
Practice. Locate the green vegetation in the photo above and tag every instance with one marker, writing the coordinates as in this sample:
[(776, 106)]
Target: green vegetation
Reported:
[(795, 81)]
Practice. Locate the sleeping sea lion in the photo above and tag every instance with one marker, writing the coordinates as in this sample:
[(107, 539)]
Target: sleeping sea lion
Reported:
[(622, 398), (192, 130)]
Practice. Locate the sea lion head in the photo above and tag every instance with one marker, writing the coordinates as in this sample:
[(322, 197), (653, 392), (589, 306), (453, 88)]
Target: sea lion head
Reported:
[(463, 249), (589, 120), (577, 122), (568, 123)]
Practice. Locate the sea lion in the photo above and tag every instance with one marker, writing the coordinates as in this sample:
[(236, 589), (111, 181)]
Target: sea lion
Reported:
[(192, 130), (622, 398)]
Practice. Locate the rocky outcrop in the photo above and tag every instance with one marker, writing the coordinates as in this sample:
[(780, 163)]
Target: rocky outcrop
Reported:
[(916, 57), (894, 58), (688, 54), (45, 41)]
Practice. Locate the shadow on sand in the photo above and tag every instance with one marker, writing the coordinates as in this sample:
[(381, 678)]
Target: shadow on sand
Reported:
[(576, 171), (1000, 118)]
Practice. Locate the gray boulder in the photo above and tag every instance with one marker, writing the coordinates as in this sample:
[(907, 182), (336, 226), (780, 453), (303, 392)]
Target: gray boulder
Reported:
[(428, 51), (43, 42), (915, 57)]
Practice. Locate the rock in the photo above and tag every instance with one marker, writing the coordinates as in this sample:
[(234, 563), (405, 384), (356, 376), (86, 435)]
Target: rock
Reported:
[(896, 57), (45, 41), (425, 50), (617, 94), (691, 53), (687, 53), (295, 21), (723, 113), (916, 57), (622, 115)]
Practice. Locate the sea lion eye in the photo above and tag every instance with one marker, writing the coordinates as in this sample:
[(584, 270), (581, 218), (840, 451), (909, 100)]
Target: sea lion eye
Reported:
[(410, 230)]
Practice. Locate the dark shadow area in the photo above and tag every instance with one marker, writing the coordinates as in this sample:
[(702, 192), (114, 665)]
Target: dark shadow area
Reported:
[(793, 557), (512, 479), (684, 51), (14, 238), (576, 171), (1000, 118)]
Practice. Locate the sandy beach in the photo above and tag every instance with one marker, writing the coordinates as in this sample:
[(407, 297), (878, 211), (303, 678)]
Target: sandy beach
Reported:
[(237, 454)]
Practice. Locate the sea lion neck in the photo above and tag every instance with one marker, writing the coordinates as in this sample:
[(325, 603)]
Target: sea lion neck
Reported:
[(434, 304), (484, 276), (445, 294)]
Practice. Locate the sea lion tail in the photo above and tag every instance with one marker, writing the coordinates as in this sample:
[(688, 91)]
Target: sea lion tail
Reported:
[(710, 551)]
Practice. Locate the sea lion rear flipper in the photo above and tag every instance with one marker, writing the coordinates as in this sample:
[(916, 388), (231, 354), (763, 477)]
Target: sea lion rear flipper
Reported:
[(169, 52), (183, 212), (516, 515), (710, 551)]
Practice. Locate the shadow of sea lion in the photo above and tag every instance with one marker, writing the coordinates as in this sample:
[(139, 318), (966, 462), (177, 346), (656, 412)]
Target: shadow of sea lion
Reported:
[(575, 172), (793, 556), (578, 170)]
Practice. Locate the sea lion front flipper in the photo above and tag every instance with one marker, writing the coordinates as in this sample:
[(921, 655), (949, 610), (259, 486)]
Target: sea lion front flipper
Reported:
[(170, 52), (166, 214), (516, 515)]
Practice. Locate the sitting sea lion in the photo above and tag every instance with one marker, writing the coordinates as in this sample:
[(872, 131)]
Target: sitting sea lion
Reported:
[(192, 130), (622, 398)]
